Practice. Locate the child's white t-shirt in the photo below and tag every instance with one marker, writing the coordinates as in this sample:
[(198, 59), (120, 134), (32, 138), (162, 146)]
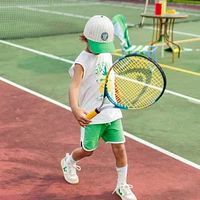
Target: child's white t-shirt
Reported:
[(92, 87)]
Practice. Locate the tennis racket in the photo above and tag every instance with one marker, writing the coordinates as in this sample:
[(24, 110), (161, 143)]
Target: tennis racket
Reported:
[(139, 83)]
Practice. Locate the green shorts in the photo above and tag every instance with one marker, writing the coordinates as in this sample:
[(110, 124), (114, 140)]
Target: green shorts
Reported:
[(109, 132)]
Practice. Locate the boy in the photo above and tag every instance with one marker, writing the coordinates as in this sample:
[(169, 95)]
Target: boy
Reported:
[(85, 93)]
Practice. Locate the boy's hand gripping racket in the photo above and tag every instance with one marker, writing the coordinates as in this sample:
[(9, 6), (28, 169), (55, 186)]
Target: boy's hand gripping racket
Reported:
[(139, 83)]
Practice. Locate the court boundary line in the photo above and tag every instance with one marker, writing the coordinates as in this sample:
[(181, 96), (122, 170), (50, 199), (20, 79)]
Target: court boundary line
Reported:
[(190, 99), (87, 17), (167, 66), (181, 41), (157, 148)]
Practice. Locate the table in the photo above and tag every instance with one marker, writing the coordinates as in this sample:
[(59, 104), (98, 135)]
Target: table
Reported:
[(163, 28)]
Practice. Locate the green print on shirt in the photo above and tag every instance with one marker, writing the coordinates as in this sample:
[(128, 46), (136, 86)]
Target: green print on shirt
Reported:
[(101, 71), (102, 68)]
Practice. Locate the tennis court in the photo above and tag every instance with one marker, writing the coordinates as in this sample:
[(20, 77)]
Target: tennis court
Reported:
[(38, 42)]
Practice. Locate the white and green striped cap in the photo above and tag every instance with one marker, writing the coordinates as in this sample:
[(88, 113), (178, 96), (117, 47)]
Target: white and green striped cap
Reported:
[(99, 31)]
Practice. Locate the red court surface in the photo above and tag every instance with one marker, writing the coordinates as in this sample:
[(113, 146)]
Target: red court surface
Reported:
[(35, 135)]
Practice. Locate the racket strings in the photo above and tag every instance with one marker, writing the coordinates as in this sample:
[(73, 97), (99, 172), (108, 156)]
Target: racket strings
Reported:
[(138, 82)]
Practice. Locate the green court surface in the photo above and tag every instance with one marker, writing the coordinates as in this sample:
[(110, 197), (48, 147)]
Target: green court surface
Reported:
[(49, 30)]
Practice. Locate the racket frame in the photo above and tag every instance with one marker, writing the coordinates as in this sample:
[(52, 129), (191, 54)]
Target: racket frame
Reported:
[(115, 104)]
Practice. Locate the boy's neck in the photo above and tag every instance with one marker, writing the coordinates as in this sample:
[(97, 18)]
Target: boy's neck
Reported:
[(88, 50)]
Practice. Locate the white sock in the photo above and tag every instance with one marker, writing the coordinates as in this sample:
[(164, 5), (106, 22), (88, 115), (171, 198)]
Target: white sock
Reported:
[(71, 160), (122, 174)]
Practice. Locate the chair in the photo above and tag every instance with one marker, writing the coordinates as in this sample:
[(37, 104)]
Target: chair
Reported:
[(121, 31)]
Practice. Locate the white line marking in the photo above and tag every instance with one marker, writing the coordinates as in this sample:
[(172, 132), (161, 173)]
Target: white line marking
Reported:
[(55, 12), (87, 17), (192, 164), (177, 32), (85, 3), (139, 82), (68, 108), (36, 52), (35, 93), (170, 154), (50, 5), (191, 99), (194, 100)]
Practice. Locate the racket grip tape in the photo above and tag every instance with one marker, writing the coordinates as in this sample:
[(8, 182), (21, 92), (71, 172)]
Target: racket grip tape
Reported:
[(92, 114)]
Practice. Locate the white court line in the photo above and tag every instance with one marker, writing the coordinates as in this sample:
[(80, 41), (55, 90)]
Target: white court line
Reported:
[(170, 154), (179, 158), (35, 93), (55, 12), (121, 5), (177, 32), (68, 108), (36, 52), (190, 99), (87, 17), (51, 5), (151, 7), (86, 3)]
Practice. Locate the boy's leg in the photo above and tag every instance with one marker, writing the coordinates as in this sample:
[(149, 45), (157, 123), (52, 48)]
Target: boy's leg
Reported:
[(69, 166), (121, 162), (114, 135), (89, 142), (122, 189), (119, 152)]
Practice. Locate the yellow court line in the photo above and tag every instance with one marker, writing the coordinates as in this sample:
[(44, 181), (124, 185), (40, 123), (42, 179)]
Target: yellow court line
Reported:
[(168, 67), (181, 70), (117, 54), (181, 41)]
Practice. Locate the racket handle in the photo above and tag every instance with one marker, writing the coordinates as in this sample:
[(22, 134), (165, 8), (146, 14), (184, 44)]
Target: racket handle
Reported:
[(92, 114)]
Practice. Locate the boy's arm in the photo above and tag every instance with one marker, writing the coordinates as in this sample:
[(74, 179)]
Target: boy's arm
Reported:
[(74, 89)]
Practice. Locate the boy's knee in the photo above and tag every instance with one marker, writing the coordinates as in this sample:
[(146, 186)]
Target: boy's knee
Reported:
[(88, 153), (119, 149)]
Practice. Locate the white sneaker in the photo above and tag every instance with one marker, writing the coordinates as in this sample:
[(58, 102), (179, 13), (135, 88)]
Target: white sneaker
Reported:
[(124, 191), (69, 170)]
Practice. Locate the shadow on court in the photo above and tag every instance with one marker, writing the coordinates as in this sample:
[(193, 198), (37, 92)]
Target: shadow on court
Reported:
[(36, 134)]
